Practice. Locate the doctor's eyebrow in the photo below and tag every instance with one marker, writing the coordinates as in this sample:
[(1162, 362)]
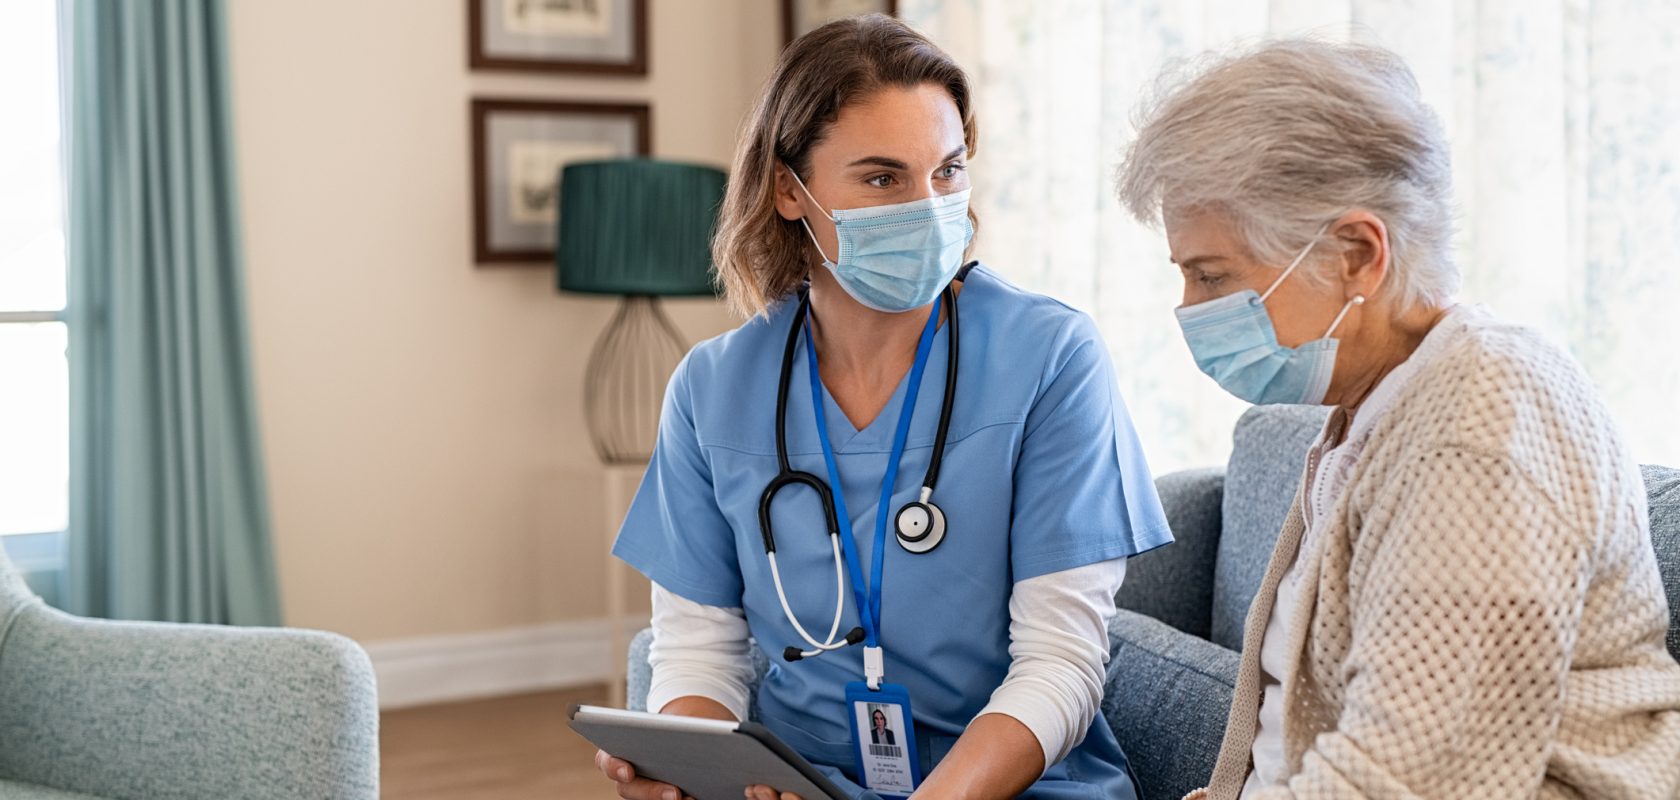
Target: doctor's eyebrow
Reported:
[(893, 163)]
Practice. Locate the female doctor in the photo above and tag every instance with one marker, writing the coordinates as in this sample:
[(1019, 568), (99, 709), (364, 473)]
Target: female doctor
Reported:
[(912, 484)]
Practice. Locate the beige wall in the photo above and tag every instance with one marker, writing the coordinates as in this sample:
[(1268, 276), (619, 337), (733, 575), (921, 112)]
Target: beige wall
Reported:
[(428, 462)]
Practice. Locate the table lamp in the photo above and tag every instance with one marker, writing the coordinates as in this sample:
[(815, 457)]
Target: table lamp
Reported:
[(641, 229)]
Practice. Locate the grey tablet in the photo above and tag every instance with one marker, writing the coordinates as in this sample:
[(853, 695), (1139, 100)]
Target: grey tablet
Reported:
[(708, 759)]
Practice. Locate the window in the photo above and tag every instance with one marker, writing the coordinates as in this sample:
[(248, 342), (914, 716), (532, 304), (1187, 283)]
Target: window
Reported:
[(1564, 121), (34, 374)]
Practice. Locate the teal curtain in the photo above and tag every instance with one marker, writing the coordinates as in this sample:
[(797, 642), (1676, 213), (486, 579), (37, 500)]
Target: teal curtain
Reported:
[(168, 517)]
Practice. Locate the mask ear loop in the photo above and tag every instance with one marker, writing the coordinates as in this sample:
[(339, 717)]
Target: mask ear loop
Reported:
[(1299, 257), (1358, 300), (805, 222)]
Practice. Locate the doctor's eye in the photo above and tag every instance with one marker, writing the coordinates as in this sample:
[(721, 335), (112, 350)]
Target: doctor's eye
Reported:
[(950, 171), (881, 181), (1210, 281)]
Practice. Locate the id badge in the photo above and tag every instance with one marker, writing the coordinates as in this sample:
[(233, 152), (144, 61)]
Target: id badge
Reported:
[(884, 738)]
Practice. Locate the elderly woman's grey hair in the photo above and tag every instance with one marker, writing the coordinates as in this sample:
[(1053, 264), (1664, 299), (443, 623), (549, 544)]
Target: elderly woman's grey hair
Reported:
[(1286, 137)]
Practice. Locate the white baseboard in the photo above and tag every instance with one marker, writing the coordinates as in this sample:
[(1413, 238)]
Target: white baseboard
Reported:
[(438, 669)]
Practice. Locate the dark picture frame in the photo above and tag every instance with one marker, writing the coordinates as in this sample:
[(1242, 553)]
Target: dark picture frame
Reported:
[(563, 50), (543, 131), (792, 10)]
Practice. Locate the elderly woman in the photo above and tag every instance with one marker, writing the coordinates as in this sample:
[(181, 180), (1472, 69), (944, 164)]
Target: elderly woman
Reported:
[(1463, 601)]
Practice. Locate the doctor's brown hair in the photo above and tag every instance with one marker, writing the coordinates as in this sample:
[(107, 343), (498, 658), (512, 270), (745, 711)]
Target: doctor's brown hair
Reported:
[(761, 257)]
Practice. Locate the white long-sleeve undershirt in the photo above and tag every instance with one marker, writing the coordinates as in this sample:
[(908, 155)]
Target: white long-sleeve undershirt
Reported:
[(1058, 646), (699, 651)]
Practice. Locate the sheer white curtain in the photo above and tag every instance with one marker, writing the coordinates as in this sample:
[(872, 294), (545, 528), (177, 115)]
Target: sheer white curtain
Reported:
[(1565, 122)]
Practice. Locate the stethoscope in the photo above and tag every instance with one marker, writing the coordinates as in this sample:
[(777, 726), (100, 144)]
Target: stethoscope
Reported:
[(920, 524)]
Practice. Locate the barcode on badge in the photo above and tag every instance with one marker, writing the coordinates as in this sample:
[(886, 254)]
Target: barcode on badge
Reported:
[(885, 751)]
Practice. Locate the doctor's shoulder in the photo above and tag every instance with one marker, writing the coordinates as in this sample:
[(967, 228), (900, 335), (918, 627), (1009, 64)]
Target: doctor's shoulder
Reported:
[(744, 348), (721, 376), (1033, 328)]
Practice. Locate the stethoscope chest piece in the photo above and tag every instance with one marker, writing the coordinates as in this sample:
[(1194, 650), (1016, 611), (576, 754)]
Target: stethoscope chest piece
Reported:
[(921, 527)]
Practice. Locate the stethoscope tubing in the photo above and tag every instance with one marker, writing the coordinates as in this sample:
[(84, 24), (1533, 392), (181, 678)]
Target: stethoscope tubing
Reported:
[(786, 476)]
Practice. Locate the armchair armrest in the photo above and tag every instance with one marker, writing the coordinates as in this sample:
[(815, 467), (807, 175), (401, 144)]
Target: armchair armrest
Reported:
[(136, 709)]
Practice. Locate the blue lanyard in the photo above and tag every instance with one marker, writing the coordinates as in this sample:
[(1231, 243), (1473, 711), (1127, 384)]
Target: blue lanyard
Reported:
[(869, 611)]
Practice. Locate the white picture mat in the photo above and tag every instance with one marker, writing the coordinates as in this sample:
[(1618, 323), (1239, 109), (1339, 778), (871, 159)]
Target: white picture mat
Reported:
[(590, 136), (558, 29)]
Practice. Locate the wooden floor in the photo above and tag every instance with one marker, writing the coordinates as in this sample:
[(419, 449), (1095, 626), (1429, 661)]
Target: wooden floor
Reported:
[(506, 747)]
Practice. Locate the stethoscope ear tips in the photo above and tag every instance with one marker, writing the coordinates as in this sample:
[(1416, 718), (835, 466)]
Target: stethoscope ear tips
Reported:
[(795, 654), (921, 527)]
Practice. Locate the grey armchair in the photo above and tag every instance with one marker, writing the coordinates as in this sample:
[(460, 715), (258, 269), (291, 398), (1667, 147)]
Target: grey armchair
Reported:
[(1175, 639), (100, 709)]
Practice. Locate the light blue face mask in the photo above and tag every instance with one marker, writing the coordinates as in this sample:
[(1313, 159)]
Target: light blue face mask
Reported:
[(897, 258), (1233, 341)]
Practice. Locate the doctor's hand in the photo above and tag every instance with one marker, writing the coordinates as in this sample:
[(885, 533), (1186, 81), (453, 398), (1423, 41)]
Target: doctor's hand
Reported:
[(623, 774), (767, 793), (630, 786)]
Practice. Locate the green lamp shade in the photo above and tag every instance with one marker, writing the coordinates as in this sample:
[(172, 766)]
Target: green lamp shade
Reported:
[(637, 227)]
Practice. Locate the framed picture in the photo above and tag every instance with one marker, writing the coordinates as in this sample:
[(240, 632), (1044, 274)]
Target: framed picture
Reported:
[(518, 148), (590, 36), (800, 17)]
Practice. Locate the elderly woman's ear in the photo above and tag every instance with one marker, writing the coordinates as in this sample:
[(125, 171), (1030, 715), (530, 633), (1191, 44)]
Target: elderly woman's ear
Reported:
[(1365, 253)]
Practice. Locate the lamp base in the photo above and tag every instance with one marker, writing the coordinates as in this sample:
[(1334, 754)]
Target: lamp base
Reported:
[(624, 384)]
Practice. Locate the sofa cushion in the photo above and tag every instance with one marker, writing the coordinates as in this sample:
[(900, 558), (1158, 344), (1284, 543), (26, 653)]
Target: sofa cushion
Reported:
[(1166, 697), (638, 673), (1663, 487), (1175, 584), (1267, 458)]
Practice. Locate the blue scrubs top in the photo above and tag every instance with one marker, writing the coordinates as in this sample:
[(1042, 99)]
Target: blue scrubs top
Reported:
[(1042, 473)]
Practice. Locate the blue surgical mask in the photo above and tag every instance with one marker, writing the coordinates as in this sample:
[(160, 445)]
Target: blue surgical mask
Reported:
[(1233, 341), (897, 258)]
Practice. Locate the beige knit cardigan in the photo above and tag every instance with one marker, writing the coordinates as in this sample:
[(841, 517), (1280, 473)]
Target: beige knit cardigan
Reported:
[(1482, 616)]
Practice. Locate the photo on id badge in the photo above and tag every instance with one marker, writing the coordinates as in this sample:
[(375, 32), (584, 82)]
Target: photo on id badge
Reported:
[(885, 750)]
